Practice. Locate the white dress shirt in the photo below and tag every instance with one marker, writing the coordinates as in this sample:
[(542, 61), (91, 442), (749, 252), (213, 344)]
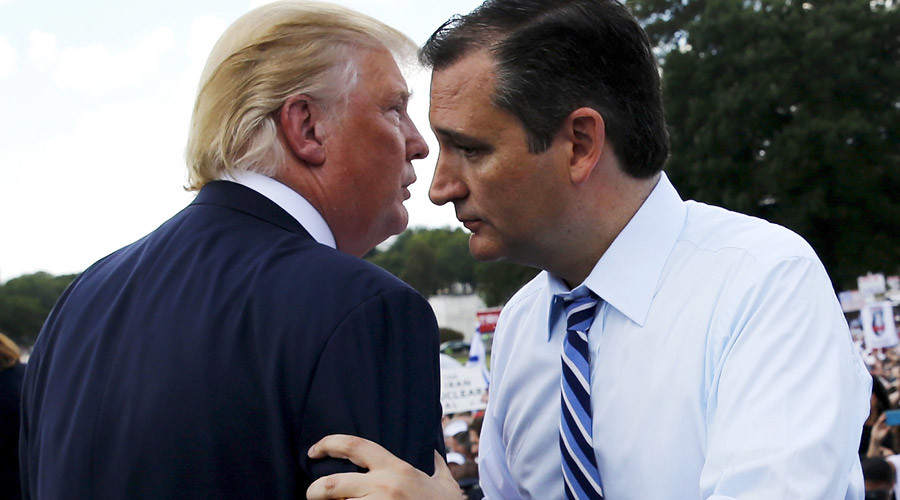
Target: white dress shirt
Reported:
[(721, 368), (290, 201)]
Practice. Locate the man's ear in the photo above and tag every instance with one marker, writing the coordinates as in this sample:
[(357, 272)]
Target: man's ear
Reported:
[(302, 126), (586, 131)]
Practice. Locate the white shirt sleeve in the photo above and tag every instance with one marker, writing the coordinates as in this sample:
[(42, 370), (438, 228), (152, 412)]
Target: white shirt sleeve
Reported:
[(494, 476), (784, 415)]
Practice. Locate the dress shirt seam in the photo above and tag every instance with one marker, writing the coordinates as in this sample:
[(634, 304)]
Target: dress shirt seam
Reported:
[(525, 295), (729, 292), (758, 259), (520, 304), (725, 308), (731, 295)]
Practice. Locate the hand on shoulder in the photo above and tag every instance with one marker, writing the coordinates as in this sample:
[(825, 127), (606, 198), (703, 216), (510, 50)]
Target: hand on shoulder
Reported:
[(388, 478)]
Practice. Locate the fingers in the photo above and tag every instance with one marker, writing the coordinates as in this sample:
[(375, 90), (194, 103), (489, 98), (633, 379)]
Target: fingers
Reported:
[(346, 485), (361, 452), (388, 476), (880, 424)]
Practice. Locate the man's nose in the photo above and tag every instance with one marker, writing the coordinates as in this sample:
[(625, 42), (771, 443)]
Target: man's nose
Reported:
[(416, 147), (446, 184)]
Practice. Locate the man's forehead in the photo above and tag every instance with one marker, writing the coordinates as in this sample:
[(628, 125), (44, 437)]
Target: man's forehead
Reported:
[(462, 106), (473, 74), (380, 68)]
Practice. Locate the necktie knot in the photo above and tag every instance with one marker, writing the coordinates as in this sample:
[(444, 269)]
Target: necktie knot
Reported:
[(580, 312)]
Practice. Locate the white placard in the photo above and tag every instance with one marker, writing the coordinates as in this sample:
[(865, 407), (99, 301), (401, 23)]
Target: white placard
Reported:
[(878, 325), (463, 389), (893, 282), (852, 300), (871, 284)]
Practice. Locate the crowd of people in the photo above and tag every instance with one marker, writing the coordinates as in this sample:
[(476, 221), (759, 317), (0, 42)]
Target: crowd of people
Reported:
[(879, 447), (462, 433)]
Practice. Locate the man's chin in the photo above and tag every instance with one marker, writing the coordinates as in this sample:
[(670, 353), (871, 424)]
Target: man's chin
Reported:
[(401, 222), (396, 223), (485, 250)]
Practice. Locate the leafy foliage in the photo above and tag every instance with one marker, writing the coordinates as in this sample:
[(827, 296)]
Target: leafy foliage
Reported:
[(789, 110), (498, 281), (433, 260), (25, 303), (448, 334)]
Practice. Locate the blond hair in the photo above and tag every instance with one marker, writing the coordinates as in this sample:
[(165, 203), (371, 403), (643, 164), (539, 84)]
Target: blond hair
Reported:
[(268, 55), (9, 352)]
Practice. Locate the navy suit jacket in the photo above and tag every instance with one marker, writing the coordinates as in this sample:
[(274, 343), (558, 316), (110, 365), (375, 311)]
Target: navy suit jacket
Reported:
[(202, 361)]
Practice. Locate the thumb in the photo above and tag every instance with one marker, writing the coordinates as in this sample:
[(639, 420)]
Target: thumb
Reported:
[(441, 470), (442, 473)]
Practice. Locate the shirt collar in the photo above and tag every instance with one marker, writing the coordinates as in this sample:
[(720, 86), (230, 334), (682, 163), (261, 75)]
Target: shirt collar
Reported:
[(628, 273), (290, 201)]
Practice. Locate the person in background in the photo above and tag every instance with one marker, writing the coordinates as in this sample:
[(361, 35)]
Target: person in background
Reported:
[(878, 439), (452, 429), (475, 432), (879, 476), (12, 371), (550, 122), (203, 360)]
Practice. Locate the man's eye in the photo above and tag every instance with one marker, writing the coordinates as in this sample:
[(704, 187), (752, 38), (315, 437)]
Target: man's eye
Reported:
[(467, 152)]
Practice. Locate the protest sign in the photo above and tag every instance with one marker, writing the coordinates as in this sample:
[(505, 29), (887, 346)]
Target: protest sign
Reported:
[(878, 325), (463, 389)]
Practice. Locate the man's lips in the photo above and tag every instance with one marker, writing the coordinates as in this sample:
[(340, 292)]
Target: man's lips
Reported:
[(472, 224)]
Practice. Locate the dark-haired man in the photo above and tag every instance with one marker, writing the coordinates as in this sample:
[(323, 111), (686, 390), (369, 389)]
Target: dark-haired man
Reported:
[(670, 350)]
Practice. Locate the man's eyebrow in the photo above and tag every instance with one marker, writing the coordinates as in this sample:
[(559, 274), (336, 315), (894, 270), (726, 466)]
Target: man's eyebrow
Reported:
[(404, 95), (461, 138)]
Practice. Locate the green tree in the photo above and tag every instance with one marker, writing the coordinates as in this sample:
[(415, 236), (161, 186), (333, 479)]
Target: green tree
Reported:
[(789, 110), (393, 259), (498, 281), (419, 269), (453, 262), (429, 259), (448, 334), (25, 303)]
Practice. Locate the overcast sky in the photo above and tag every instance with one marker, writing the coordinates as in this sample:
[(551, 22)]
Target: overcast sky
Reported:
[(95, 100)]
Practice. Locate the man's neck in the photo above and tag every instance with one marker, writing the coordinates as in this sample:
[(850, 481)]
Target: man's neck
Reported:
[(596, 228)]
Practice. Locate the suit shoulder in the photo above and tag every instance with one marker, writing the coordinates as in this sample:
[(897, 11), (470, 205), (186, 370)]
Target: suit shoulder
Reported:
[(331, 273)]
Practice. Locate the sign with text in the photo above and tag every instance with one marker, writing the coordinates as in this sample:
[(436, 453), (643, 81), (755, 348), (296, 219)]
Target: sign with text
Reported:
[(878, 325), (463, 389), (487, 319)]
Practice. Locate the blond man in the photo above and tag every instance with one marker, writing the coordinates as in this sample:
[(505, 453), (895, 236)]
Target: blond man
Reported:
[(203, 360)]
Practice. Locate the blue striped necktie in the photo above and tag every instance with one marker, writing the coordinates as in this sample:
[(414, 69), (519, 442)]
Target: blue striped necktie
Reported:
[(576, 443)]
